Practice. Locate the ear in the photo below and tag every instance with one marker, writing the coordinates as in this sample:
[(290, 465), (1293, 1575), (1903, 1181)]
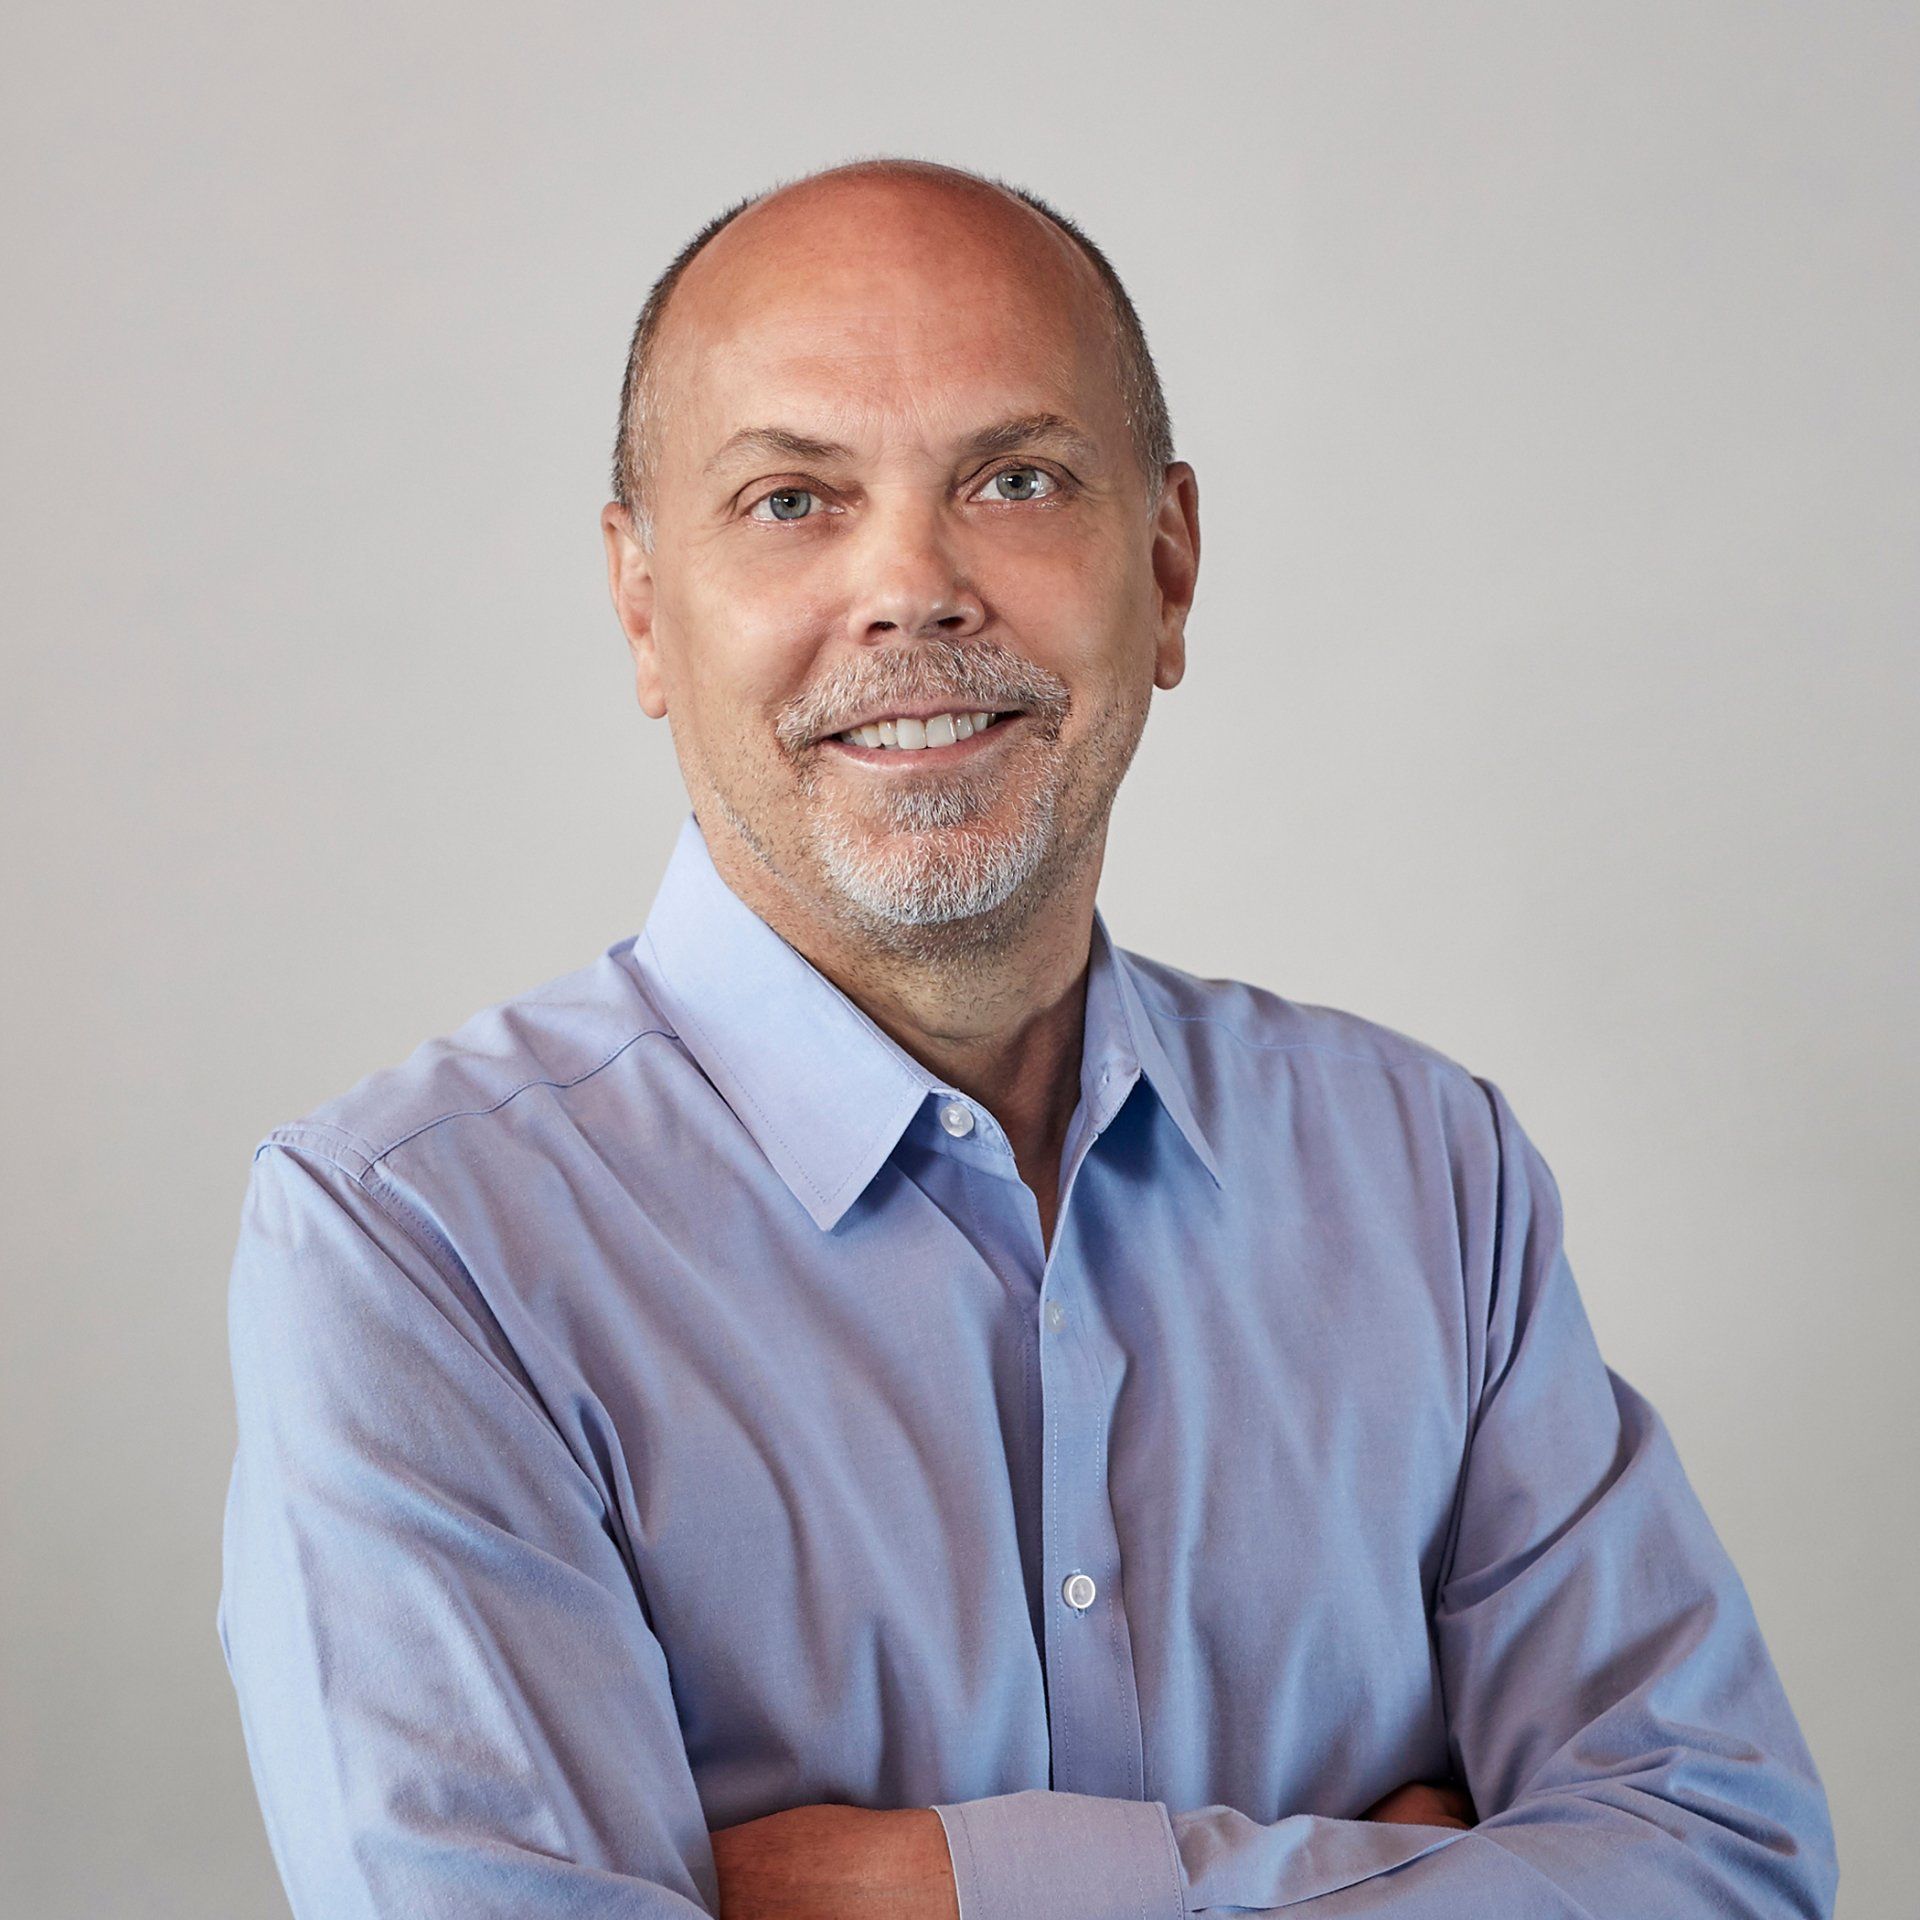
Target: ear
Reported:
[(1176, 568), (630, 581)]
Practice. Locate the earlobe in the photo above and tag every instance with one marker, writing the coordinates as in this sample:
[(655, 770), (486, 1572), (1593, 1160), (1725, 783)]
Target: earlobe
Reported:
[(649, 688), (630, 582), (1176, 568), (1171, 665)]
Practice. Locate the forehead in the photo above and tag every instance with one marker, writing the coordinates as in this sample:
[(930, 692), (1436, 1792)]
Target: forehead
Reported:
[(921, 309)]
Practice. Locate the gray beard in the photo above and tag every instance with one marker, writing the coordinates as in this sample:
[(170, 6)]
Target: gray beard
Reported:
[(918, 871), (935, 872)]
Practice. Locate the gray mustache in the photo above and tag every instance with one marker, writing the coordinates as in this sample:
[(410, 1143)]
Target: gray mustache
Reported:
[(968, 674)]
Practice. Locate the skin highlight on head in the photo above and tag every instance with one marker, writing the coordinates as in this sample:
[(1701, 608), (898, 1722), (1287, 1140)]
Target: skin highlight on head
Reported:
[(892, 465)]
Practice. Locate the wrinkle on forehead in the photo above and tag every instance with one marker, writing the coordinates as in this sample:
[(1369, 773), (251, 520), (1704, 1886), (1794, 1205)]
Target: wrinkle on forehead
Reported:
[(836, 379)]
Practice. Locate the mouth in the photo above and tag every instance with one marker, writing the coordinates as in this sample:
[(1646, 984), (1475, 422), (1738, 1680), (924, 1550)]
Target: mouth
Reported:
[(941, 739)]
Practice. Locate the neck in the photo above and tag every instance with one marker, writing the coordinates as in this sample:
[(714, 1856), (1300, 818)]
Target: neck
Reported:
[(996, 1010)]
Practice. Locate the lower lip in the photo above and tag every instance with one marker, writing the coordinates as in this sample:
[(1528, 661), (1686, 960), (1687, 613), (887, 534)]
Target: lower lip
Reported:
[(949, 755)]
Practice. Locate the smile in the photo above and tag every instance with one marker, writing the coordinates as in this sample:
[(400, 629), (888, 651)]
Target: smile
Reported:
[(909, 734)]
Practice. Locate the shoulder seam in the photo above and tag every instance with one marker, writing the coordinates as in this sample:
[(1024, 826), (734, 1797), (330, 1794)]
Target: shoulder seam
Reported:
[(468, 1113), (364, 1150), (1419, 1053)]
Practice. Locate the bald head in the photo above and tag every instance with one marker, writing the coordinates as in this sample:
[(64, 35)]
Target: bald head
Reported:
[(949, 217)]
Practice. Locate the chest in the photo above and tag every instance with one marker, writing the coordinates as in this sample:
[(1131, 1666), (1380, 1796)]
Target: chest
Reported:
[(855, 1474)]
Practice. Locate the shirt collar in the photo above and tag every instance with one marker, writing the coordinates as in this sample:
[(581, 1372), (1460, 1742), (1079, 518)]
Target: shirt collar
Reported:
[(823, 1090), (1113, 969)]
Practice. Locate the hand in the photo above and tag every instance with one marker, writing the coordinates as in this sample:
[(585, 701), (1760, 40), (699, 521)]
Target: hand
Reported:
[(836, 1863), (1425, 1803)]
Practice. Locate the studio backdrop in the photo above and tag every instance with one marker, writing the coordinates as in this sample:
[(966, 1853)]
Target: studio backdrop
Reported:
[(1551, 689)]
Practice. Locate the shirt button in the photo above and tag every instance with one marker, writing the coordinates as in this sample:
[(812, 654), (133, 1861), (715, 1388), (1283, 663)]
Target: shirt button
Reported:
[(957, 1119), (1055, 1318), (1078, 1592)]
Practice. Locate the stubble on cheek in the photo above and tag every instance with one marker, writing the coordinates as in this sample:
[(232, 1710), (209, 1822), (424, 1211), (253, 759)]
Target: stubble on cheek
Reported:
[(767, 798)]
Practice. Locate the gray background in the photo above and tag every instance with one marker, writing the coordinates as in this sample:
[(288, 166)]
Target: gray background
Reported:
[(1551, 696)]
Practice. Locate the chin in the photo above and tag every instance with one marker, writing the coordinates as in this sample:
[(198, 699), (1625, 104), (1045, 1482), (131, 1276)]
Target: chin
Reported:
[(937, 874)]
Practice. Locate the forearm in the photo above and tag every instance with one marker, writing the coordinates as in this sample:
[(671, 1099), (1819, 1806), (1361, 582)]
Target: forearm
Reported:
[(830, 1860), (825, 1862), (1553, 1856)]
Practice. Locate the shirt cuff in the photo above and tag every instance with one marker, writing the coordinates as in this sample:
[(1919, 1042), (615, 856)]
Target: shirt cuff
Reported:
[(1069, 1856)]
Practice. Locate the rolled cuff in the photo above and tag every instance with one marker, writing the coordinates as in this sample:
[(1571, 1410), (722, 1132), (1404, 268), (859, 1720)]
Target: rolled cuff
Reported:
[(1069, 1856)]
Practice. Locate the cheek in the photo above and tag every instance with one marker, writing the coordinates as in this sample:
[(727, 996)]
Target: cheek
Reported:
[(738, 649), (1077, 609)]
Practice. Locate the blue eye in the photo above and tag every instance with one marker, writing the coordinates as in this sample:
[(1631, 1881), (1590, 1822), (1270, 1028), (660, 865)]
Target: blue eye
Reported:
[(786, 503), (1033, 482)]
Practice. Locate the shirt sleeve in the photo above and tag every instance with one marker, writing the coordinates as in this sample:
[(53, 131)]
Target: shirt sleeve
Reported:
[(1612, 1708), (452, 1701)]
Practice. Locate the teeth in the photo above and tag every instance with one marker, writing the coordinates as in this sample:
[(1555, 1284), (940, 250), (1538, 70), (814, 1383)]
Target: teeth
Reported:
[(940, 731)]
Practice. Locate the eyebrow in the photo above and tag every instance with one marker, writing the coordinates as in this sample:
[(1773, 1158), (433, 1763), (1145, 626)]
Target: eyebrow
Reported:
[(1054, 429), (777, 440)]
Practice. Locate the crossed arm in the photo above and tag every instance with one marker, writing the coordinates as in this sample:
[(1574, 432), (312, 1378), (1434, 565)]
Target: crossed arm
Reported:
[(826, 1862), (411, 1549)]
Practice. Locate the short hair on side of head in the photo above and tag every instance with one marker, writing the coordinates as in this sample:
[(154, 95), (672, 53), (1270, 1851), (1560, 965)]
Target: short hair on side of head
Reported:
[(1149, 424)]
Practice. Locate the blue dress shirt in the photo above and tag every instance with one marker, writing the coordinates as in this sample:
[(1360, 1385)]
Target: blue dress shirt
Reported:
[(657, 1409)]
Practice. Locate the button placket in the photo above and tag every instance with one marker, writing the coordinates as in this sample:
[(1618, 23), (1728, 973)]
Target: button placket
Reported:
[(1093, 1702)]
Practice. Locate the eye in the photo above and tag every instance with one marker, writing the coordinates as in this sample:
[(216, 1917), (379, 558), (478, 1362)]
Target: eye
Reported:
[(1025, 483), (785, 503)]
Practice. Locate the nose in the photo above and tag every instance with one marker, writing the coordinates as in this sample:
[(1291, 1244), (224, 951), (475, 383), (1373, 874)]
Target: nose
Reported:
[(908, 578)]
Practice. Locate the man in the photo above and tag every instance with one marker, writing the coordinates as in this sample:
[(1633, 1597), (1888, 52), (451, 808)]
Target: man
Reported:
[(869, 1398)]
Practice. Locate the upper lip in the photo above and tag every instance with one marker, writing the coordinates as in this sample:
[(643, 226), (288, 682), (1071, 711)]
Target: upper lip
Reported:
[(923, 710)]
